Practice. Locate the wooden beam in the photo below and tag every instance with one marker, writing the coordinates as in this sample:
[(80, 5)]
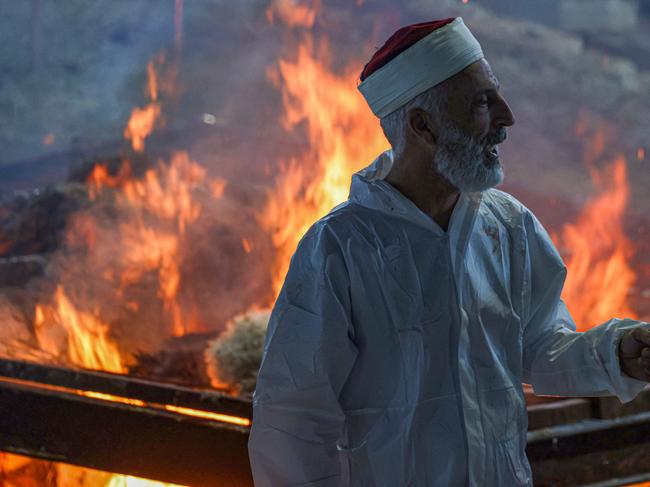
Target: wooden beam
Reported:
[(562, 411), (121, 385), (590, 451), (132, 440)]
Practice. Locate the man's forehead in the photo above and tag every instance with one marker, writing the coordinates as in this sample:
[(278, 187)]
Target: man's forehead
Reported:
[(478, 76)]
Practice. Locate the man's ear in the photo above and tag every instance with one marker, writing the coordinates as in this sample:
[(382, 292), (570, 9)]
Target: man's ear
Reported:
[(421, 125)]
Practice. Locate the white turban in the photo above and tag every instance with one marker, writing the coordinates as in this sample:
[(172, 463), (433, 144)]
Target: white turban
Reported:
[(438, 55)]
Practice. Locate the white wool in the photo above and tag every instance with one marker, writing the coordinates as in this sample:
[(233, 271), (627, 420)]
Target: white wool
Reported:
[(234, 357)]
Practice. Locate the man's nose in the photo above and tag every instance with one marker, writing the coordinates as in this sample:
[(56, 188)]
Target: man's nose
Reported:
[(502, 115)]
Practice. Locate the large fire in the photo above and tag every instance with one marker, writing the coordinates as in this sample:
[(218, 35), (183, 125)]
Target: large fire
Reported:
[(87, 343), (149, 216), (597, 251), (600, 276), (343, 137), (143, 246), (154, 212)]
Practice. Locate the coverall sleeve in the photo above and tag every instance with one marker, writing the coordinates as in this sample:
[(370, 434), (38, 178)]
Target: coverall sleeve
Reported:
[(308, 355), (557, 360)]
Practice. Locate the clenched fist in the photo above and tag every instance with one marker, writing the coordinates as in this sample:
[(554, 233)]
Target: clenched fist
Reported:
[(634, 354)]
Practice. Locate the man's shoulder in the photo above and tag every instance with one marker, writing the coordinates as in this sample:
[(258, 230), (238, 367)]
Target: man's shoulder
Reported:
[(519, 220), (332, 230), (504, 201), (341, 220), (507, 208)]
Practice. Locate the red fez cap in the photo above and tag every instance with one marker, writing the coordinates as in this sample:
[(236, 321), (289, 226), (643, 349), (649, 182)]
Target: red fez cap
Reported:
[(399, 42)]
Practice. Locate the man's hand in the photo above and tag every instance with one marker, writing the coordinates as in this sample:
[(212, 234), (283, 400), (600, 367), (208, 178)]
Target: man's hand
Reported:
[(634, 354)]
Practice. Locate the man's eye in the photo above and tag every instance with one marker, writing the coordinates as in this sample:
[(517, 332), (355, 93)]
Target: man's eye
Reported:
[(481, 102)]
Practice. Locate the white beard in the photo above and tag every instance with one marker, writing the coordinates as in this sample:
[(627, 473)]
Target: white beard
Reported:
[(464, 161)]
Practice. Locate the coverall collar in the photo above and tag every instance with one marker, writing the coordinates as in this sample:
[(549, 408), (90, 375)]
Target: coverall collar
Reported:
[(370, 189)]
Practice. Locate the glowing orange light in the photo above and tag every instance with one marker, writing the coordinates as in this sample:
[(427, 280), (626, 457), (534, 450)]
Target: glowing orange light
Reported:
[(79, 336), (597, 250), (224, 418), (142, 120), (293, 14), (111, 398), (343, 137), (599, 274), (218, 186), (248, 247), (100, 396)]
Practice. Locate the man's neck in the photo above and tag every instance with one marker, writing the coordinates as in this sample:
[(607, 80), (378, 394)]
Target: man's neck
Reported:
[(425, 188)]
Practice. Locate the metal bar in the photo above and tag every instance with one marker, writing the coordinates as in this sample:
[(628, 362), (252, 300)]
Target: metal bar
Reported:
[(124, 386), (120, 438)]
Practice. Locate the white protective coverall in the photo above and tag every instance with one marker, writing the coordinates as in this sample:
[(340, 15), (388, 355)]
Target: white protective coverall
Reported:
[(396, 351)]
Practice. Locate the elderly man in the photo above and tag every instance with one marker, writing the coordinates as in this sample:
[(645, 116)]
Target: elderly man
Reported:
[(412, 313)]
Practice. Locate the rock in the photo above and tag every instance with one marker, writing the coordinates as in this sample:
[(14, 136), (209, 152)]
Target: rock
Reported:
[(31, 223), (18, 271)]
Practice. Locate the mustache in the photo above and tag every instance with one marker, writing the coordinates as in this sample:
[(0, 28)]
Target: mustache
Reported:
[(496, 137)]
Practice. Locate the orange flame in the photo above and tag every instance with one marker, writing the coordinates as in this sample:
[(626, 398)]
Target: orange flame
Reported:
[(141, 125), (246, 244), (85, 341), (218, 186), (130, 481), (292, 13), (145, 238), (599, 275), (343, 137), (63, 475), (159, 206), (100, 178), (150, 216), (142, 120)]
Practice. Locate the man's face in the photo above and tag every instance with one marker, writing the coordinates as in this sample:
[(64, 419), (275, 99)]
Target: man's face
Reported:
[(474, 122)]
